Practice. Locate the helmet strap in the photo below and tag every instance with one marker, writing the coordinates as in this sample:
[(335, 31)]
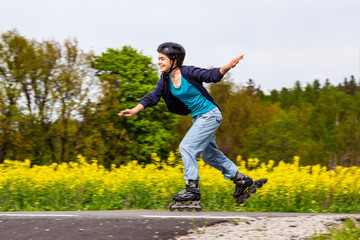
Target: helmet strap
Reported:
[(171, 69), (172, 66)]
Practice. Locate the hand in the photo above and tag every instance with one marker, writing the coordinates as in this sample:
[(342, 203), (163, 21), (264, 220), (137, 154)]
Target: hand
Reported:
[(131, 112), (235, 61), (127, 113)]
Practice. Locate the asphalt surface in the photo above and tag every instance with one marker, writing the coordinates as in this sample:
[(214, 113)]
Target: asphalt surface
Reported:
[(98, 225)]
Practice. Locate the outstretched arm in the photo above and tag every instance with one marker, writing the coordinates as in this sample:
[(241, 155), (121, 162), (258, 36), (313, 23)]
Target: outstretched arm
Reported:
[(232, 64), (131, 112)]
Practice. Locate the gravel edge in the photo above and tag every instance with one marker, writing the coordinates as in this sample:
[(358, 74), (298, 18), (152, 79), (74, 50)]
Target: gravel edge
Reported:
[(269, 228)]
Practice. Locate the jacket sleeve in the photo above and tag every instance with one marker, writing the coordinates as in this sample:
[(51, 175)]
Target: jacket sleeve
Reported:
[(152, 98), (212, 75)]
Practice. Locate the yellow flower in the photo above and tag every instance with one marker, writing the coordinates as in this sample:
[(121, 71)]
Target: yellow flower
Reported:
[(288, 182)]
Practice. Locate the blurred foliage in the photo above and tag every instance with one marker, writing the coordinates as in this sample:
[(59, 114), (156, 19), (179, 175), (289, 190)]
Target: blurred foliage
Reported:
[(349, 230), (319, 123), (57, 101), (126, 76), (44, 86)]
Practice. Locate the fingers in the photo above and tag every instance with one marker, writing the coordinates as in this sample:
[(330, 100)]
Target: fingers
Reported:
[(126, 113), (236, 60)]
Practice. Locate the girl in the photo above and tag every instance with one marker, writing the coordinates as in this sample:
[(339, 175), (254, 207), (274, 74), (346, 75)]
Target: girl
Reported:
[(182, 89)]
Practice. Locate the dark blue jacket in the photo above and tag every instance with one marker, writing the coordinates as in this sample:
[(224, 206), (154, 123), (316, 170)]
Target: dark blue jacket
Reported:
[(195, 76)]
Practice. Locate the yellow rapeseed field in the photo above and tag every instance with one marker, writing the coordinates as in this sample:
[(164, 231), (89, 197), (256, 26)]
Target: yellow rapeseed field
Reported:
[(84, 185)]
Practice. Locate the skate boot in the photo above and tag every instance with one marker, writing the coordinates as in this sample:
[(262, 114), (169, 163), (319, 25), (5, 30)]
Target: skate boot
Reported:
[(188, 199), (244, 186)]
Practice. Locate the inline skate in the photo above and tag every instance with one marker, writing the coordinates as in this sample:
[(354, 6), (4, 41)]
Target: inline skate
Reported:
[(245, 186), (188, 199)]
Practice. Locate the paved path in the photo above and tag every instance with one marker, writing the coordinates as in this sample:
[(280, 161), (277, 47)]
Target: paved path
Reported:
[(127, 224)]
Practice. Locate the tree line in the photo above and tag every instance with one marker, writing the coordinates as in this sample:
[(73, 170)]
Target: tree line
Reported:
[(57, 101), (319, 123)]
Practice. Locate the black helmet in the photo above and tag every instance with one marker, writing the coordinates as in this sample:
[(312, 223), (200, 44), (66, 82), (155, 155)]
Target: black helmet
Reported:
[(173, 51)]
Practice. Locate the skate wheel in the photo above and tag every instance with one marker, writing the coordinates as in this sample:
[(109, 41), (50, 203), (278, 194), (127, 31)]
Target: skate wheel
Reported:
[(260, 182), (240, 201), (247, 195), (253, 190), (199, 209), (171, 208), (189, 209), (181, 209)]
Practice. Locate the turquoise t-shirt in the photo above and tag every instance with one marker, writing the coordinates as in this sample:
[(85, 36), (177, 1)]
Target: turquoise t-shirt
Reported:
[(191, 97)]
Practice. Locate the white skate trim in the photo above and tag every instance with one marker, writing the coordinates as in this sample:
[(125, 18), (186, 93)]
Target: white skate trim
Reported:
[(191, 204), (185, 205)]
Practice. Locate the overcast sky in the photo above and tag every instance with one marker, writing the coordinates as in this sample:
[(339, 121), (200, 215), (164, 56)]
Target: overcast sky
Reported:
[(282, 40)]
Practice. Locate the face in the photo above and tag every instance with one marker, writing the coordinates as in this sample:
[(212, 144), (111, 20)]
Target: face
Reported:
[(164, 62)]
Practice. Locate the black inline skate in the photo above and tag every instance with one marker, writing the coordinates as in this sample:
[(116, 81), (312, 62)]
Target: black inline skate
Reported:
[(244, 186), (190, 194)]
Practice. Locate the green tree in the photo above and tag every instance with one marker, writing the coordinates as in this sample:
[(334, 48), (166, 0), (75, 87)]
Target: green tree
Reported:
[(103, 136), (42, 90), (72, 82), (241, 110), (284, 137), (40, 112), (350, 87), (14, 50), (129, 76)]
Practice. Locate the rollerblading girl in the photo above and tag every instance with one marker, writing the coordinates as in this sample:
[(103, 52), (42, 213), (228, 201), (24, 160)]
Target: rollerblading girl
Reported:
[(182, 89)]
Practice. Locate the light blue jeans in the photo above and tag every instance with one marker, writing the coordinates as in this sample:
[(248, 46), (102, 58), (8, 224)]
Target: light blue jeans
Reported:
[(200, 141)]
